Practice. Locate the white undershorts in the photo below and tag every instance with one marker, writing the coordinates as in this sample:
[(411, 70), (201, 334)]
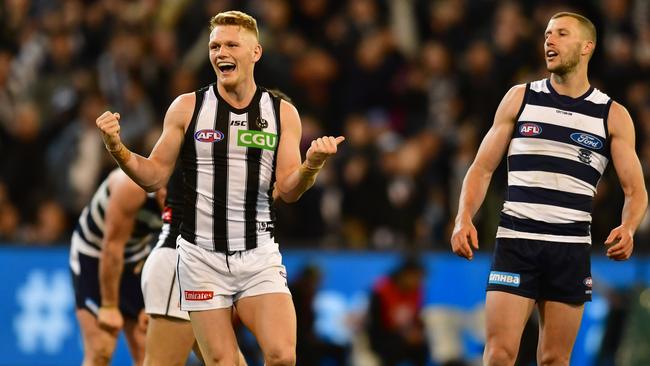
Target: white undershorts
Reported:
[(213, 280), (160, 284)]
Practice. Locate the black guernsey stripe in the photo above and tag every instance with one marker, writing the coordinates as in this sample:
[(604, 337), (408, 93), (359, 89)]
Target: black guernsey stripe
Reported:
[(551, 197), (253, 161), (220, 180), (188, 158), (554, 164), (276, 113), (585, 107), (579, 228)]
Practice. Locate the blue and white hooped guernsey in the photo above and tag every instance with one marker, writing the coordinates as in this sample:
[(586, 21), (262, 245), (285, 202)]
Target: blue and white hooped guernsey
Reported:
[(558, 152)]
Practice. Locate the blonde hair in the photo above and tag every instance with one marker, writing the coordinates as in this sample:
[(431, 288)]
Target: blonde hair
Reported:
[(586, 24), (238, 18)]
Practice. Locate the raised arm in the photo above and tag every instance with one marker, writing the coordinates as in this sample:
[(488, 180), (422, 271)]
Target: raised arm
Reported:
[(628, 169), (123, 205), (478, 176), (150, 173), (293, 177)]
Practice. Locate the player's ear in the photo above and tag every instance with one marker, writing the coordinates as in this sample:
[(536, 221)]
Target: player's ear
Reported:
[(588, 47), (257, 52)]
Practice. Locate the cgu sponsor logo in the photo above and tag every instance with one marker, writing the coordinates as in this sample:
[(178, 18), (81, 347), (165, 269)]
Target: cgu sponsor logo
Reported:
[(504, 278), (257, 139), (587, 140), (198, 295), (208, 135), (530, 129)]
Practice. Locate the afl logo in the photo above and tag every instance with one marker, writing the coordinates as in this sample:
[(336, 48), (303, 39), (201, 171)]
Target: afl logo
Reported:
[(588, 282), (587, 140), (530, 129), (208, 136)]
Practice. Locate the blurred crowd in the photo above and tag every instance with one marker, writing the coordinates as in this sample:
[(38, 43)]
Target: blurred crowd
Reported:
[(412, 84)]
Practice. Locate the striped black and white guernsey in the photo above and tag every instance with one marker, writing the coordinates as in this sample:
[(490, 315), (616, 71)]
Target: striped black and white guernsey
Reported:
[(89, 231), (229, 161), (558, 152)]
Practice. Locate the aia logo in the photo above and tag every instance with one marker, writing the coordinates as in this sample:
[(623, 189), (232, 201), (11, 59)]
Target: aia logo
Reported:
[(167, 215), (198, 295), (208, 135), (588, 282), (530, 129)]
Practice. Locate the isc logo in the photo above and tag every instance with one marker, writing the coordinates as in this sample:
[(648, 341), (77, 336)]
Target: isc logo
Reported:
[(530, 129), (208, 135)]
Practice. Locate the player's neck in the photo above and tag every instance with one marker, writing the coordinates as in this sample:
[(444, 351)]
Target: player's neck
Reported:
[(238, 96), (572, 84)]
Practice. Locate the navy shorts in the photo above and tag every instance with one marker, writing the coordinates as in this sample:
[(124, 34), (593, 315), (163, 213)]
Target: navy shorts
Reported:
[(86, 287), (542, 270)]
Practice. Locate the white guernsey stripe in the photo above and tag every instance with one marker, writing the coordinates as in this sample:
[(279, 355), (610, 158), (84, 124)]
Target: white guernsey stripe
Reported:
[(538, 146), (555, 181), (598, 97), (164, 234), (546, 213), (574, 120), (205, 170), (267, 163), (512, 234), (540, 86), (237, 176)]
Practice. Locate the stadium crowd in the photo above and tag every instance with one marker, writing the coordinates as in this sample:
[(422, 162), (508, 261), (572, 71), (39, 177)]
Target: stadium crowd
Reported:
[(412, 84)]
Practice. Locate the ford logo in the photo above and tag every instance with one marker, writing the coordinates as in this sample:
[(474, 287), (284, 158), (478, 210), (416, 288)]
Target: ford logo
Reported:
[(587, 140), (208, 135), (530, 129)]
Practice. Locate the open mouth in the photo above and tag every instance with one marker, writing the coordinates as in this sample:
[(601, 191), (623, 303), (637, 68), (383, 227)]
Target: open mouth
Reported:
[(226, 67), (550, 54)]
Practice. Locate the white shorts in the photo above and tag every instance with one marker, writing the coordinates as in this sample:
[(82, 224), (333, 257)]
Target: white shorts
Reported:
[(160, 284), (213, 280)]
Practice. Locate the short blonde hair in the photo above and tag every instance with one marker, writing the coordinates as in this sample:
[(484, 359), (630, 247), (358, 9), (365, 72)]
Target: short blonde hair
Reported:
[(238, 18), (586, 24)]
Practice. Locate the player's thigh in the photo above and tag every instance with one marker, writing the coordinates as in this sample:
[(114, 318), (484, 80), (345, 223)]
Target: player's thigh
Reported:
[(271, 318), (96, 340), (559, 325), (506, 315), (215, 334), (168, 342)]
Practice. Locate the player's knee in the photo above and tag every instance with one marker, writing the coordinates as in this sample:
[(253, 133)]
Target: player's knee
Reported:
[(554, 359), (499, 355), (101, 355), (281, 356)]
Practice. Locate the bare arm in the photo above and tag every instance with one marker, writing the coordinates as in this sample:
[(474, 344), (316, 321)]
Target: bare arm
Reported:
[(628, 168), (293, 178), (478, 176), (153, 172), (123, 205)]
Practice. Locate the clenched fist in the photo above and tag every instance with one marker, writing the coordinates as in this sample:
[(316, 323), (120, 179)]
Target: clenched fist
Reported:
[(109, 124), (321, 149)]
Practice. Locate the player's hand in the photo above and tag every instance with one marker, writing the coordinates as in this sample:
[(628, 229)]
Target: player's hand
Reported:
[(110, 319), (321, 149), (464, 238), (621, 243), (109, 124)]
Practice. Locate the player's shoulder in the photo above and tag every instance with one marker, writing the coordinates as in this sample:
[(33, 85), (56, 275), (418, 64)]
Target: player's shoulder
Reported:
[(118, 181)]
